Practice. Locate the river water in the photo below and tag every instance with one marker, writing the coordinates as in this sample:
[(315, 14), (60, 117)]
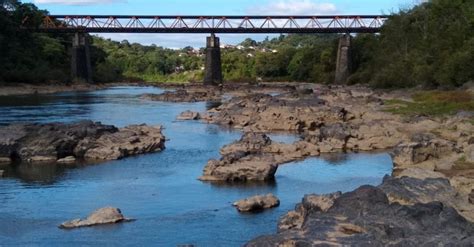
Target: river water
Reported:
[(159, 190)]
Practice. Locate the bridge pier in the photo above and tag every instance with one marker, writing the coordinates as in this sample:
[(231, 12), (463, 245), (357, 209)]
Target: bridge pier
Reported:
[(81, 69), (213, 71), (344, 60)]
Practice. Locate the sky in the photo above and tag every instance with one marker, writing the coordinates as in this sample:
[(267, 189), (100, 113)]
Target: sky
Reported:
[(213, 7)]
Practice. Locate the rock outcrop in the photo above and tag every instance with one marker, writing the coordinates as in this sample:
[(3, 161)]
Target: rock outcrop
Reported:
[(182, 95), (254, 158), (366, 217), (81, 140), (257, 203), (107, 215), (310, 203)]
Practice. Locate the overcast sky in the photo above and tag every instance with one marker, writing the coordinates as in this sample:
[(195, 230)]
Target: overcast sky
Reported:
[(214, 7)]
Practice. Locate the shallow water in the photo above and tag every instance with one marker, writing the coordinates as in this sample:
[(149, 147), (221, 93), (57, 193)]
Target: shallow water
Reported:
[(159, 190)]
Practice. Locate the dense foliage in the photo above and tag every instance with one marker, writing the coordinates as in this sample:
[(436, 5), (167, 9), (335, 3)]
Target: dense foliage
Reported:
[(26, 56), (431, 45)]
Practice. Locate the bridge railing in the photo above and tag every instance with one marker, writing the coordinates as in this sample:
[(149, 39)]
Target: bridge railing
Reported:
[(213, 24)]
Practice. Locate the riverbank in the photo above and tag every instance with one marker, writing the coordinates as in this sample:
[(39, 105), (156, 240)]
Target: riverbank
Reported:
[(8, 89)]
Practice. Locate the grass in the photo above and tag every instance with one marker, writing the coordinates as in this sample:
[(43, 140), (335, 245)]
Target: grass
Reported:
[(433, 103), (462, 164), (183, 77)]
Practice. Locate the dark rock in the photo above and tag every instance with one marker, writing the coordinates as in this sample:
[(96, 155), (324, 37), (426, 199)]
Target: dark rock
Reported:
[(409, 190), (55, 141), (365, 217)]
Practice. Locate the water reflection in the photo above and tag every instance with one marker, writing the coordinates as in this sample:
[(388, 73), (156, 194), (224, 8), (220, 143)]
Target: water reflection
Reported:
[(335, 158), (45, 174), (244, 185)]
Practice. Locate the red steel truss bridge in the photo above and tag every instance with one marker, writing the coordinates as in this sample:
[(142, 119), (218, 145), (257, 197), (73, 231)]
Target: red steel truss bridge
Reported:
[(212, 24)]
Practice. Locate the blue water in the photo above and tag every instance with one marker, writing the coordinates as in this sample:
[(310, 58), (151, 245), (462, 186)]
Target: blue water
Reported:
[(159, 190)]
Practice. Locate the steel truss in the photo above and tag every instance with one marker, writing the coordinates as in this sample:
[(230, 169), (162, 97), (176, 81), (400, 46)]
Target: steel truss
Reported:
[(212, 24)]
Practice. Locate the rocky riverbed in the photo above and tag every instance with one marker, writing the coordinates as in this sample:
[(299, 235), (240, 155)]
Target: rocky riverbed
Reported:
[(430, 193), (84, 140), (435, 152)]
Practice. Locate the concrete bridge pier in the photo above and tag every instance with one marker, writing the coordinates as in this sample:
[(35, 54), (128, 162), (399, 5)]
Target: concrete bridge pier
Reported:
[(344, 59), (81, 69), (213, 71)]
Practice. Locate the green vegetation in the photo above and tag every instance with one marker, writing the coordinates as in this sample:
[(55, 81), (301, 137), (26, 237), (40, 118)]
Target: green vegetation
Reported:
[(433, 103), (30, 57), (463, 164), (430, 45), (116, 61)]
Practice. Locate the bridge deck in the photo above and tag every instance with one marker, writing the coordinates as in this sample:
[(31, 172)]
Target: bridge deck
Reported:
[(212, 24)]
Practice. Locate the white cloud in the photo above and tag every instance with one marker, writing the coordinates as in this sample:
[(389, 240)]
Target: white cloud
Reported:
[(77, 2), (294, 7)]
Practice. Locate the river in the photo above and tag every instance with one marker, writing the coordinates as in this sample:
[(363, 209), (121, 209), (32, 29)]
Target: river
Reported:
[(160, 190)]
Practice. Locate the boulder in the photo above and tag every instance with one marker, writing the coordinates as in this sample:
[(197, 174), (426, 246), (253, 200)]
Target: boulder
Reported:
[(257, 203), (131, 140), (189, 115), (242, 170), (2, 173), (107, 215)]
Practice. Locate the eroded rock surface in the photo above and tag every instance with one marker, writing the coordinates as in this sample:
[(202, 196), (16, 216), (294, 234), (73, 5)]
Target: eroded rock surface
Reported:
[(366, 217), (182, 95), (409, 191), (254, 158), (107, 215), (81, 140), (257, 203)]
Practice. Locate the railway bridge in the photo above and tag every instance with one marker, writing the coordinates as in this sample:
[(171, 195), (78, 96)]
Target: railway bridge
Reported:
[(81, 25)]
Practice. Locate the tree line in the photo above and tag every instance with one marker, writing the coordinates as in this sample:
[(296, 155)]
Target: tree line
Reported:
[(429, 45)]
